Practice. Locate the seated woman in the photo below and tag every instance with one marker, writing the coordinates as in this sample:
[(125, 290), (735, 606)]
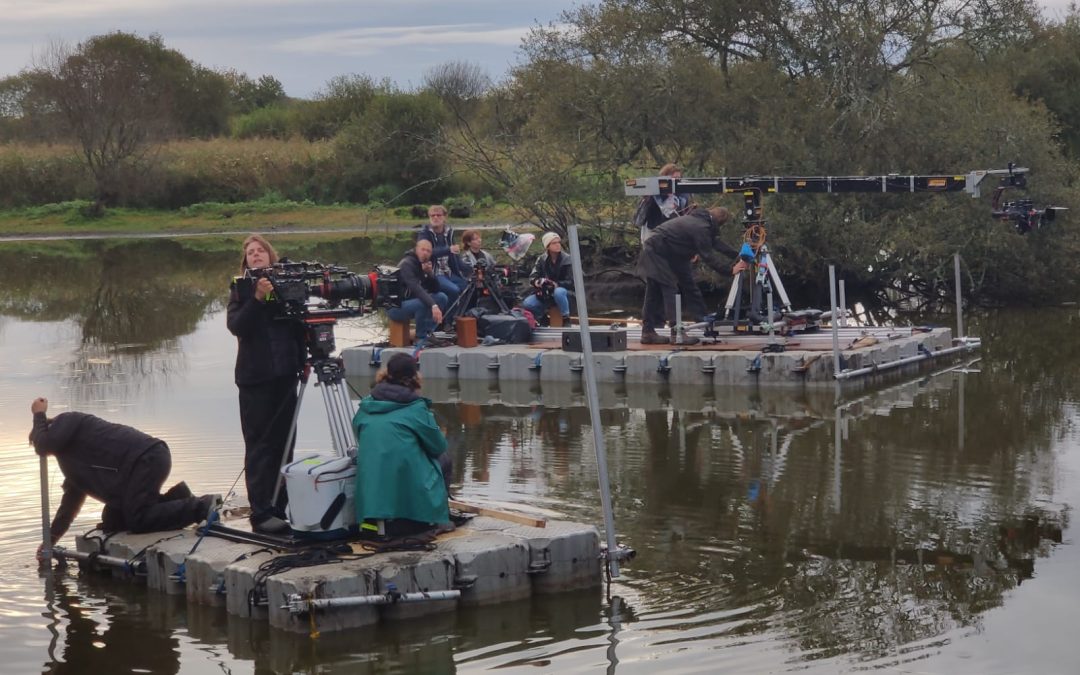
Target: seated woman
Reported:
[(402, 466)]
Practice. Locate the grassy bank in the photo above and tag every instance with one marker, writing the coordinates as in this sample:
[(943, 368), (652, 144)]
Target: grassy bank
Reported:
[(70, 218)]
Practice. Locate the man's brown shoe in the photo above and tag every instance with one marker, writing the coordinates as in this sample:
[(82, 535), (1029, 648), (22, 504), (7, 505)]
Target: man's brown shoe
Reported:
[(652, 338)]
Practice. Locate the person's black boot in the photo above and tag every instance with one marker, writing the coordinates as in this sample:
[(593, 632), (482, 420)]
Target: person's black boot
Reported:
[(178, 491), (271, 525)]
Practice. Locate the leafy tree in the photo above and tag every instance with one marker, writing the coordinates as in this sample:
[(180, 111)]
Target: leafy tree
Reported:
[(391, 143), (247, 95), (118, 96), (342, 99)]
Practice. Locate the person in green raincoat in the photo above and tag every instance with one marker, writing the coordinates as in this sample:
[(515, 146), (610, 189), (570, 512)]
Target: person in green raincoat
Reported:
[(402, 466)]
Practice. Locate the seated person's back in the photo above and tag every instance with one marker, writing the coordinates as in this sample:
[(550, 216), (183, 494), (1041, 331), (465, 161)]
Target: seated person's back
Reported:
[(402, 463)]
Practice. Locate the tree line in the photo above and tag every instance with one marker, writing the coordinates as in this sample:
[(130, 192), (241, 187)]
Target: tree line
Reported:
[(616, 89)]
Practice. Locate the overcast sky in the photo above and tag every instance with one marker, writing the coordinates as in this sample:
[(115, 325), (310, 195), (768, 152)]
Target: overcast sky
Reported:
[(303, 43)]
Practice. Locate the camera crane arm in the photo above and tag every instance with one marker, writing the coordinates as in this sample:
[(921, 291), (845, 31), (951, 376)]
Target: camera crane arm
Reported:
[(1021, 213), (970, 183)]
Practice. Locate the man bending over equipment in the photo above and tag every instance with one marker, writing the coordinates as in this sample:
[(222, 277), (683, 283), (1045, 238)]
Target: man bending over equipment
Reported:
[(118, 465), (666, 265)]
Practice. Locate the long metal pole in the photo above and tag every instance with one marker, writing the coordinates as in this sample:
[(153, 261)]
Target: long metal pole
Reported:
[(297, 604), (959, 299), (843, 304), (46, 535), (835, 318), (593, 401)]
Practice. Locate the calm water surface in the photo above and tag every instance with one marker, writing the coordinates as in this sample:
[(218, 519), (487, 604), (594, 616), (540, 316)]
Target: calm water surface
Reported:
[(924, 527)]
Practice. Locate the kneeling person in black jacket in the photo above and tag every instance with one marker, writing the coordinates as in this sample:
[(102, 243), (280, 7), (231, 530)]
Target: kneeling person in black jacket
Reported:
[(118, 465)]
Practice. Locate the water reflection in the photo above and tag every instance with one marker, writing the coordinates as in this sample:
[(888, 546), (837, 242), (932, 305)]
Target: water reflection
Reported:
[(103, 628), (856, 526)]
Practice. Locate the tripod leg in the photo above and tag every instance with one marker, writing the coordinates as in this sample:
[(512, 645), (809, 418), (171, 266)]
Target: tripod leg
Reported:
[(495, 293), (338, 419), (774, 274), (733, 295), (461, 304), (292, 434)]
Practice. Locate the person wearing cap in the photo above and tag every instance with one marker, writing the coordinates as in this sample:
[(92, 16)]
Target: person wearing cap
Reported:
[(402, 464), (666, 265), (115, 464), (552, 279)]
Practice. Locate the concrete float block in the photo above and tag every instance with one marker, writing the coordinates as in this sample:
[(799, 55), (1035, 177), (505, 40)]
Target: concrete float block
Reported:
[(560, 366), (490, 567), (476, 364), (412, 572), (610, 367), (572, 551), (909, 348), (205, 569), (240, 582), (409, 571), (517, 366), (357, 361), (735, 369), (130, 547), (324, 581), (645, 367), (163, 561), (440, 364), (696, 368), (563, 555), (779, 369)]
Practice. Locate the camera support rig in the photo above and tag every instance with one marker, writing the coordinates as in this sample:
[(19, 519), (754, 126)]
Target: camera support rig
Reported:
[(763, 271)]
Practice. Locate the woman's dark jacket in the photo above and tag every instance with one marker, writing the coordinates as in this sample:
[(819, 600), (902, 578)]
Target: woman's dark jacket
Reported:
[(560, 271), (269, 347)]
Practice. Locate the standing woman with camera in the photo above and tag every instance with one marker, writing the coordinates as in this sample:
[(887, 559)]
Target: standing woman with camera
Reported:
[(269, 359)]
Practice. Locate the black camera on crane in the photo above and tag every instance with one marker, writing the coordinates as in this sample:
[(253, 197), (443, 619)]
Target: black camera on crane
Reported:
[(1022, 213)]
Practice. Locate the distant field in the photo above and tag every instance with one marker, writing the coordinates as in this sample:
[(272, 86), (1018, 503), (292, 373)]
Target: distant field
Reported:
[(67, 219)]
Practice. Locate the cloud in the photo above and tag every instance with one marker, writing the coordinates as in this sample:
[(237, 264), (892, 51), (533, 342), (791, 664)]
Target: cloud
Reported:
[(367, 41), (36, 10)]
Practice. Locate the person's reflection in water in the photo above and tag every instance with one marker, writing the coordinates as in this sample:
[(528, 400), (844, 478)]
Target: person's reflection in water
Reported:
[(120, 641)]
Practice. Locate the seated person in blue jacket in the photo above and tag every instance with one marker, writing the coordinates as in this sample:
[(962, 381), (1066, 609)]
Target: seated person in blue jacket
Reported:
[(115, 464), (402, 465), (424, 303), (444, 253), (552, 280)]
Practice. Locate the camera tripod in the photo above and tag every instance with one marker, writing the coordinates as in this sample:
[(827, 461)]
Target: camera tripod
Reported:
[(482, 284), (330, 377)]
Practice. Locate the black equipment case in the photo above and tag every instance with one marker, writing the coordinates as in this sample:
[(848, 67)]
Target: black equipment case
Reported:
[(602, 341)]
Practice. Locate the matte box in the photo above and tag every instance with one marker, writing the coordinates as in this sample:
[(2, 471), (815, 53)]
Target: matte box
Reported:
[(602, 340)]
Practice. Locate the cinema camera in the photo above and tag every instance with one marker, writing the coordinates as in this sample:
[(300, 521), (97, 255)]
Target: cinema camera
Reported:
[(1022, 213), (341, 293)]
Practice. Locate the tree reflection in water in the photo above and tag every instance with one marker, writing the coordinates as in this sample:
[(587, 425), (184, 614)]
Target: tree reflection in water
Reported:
[(856, 529)]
